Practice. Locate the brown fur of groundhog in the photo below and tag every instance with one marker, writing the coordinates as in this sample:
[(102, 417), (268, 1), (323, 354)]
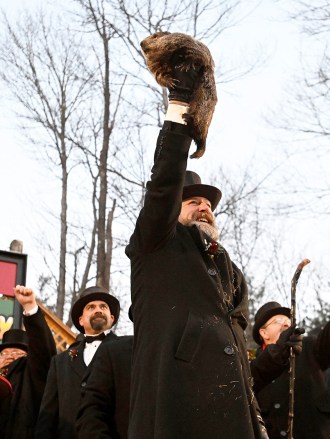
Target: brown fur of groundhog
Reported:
[(162, 51)]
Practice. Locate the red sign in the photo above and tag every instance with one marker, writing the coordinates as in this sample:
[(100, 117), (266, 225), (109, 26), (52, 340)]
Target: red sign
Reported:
[(8, 272)]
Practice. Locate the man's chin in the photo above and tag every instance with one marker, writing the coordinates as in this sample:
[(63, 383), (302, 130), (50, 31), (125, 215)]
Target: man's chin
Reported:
[(99, 324), (208, 229)]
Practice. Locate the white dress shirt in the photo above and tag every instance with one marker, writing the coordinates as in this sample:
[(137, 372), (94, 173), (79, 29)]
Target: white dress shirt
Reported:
[(91, 348)]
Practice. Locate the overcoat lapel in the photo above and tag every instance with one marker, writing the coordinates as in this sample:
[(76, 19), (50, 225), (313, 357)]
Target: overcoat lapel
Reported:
[(78, 365), (15, 366), (220, 264)]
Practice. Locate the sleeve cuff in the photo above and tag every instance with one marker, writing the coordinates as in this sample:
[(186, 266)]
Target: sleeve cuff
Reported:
[(32, 311)]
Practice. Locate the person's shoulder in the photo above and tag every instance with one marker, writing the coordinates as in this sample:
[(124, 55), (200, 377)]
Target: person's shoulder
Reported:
[(236, 269), (120, 343), (125, 340), (120, 340), (62, 355), (70, 353)]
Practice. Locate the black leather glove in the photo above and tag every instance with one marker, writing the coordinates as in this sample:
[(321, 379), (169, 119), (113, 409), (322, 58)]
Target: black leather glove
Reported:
[(292, 337), (185, 83)]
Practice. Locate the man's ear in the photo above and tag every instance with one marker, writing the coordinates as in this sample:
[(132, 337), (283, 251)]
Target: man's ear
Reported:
[(263, 334)]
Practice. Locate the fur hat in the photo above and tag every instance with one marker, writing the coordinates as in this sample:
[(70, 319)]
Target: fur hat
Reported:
[(193, 187), (89, 295), (14, 338), (264, 313)]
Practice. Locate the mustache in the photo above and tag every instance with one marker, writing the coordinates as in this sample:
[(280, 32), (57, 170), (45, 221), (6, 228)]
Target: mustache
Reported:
[(198, 216), (98, 316)]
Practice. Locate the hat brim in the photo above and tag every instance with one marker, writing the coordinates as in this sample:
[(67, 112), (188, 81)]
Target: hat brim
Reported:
[(5, 388), (212, 193), (265, 317), (13, 344), (79, 306), (130, 314)]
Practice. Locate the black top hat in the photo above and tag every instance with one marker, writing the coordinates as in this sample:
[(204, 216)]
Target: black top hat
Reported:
[(89, 295), (264, 313), (14, 338), (193, 187)]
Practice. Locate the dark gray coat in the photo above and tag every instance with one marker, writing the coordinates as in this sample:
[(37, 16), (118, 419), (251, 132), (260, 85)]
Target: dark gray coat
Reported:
[(27, 375), (312, 397), (60, 403), (190, 376)]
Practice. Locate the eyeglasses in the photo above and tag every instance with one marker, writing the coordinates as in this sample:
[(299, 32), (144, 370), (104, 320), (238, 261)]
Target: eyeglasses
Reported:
[(279, 321), (15, 354)]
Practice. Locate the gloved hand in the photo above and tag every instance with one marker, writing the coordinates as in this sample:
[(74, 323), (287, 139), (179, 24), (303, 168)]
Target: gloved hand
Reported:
[(186, 82), (292, 337)]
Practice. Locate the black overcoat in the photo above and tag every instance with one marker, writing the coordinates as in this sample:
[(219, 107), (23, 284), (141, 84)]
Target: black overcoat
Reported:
[(104, 406), (190, 376), (311, 399), (60, 403), (27, 375)]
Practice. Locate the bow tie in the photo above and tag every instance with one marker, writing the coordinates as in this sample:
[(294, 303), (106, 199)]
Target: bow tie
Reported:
[(91, 338)]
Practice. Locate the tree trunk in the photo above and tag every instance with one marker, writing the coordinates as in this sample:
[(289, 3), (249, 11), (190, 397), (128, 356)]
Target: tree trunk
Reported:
[(102, 279)]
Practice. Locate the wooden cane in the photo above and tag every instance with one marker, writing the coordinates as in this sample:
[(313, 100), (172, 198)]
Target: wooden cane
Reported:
[(292, 369)]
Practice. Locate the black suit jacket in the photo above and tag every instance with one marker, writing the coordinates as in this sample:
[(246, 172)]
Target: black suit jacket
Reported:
[(104, 408), (62, 394), (18, 414)]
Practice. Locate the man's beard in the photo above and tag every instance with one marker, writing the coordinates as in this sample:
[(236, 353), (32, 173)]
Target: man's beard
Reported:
[(98, 322), (210, 230)]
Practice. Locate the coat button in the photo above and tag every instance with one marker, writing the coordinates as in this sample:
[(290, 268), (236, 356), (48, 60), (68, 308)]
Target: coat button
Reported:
[(283, 433), (229, 350), (83, 384), (212, 271), (277, 405)]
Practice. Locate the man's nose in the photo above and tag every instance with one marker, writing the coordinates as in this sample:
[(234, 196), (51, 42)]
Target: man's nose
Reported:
[(204, 207)]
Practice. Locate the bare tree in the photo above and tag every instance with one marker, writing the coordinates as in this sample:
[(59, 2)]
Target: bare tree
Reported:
[(304, 113), (40, 65), (84, 82)]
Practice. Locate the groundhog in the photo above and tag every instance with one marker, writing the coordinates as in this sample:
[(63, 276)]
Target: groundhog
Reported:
[(166, 51)]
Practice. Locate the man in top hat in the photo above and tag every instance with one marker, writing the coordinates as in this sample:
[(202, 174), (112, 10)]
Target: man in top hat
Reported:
[(272, 331), (93, 314), (24, 362), (190, 372)]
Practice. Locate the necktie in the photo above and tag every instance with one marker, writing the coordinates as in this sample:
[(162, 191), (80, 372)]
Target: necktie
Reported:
[(91, 338)]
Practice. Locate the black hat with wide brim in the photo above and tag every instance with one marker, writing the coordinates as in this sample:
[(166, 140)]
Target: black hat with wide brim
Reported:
[(89, 295), (14, 338), (193, 187), (264, 313)]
